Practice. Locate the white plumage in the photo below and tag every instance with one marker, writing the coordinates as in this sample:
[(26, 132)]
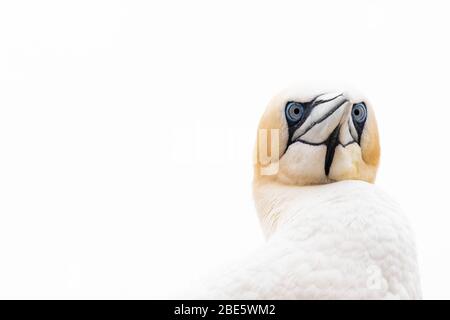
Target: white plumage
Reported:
[(345, 240), (331, 233)]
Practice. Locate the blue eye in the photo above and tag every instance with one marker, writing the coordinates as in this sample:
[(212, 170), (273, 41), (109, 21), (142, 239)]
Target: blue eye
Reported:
[(359, 112), (294, 111)]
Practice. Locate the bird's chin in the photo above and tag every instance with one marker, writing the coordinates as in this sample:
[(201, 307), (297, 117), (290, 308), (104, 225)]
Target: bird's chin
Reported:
[(303, 164), (348, 165)]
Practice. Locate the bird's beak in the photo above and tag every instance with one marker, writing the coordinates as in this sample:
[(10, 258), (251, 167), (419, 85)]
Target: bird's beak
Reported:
[(326, 115), (323, 123)]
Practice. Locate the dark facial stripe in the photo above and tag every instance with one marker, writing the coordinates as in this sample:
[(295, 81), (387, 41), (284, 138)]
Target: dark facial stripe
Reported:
[(331, 143), (359, 129), (350, 131)]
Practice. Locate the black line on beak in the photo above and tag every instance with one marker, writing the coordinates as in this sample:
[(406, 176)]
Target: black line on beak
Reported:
[(331, 143)]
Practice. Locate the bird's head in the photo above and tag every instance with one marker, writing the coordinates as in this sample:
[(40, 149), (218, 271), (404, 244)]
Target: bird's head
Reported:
[(317, 138)]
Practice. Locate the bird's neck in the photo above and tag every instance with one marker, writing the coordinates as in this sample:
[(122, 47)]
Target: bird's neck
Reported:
[(278, 204)]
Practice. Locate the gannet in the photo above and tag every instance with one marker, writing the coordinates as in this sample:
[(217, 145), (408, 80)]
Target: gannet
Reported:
[(331, 233)]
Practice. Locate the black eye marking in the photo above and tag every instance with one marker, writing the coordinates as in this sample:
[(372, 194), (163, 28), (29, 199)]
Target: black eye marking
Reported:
[(354, 139), (359, 117)]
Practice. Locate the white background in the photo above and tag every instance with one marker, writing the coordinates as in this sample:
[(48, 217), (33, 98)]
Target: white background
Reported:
[(127, 127)]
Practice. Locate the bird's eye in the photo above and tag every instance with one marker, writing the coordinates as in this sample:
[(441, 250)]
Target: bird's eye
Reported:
[(294, 111), (359, 112)]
